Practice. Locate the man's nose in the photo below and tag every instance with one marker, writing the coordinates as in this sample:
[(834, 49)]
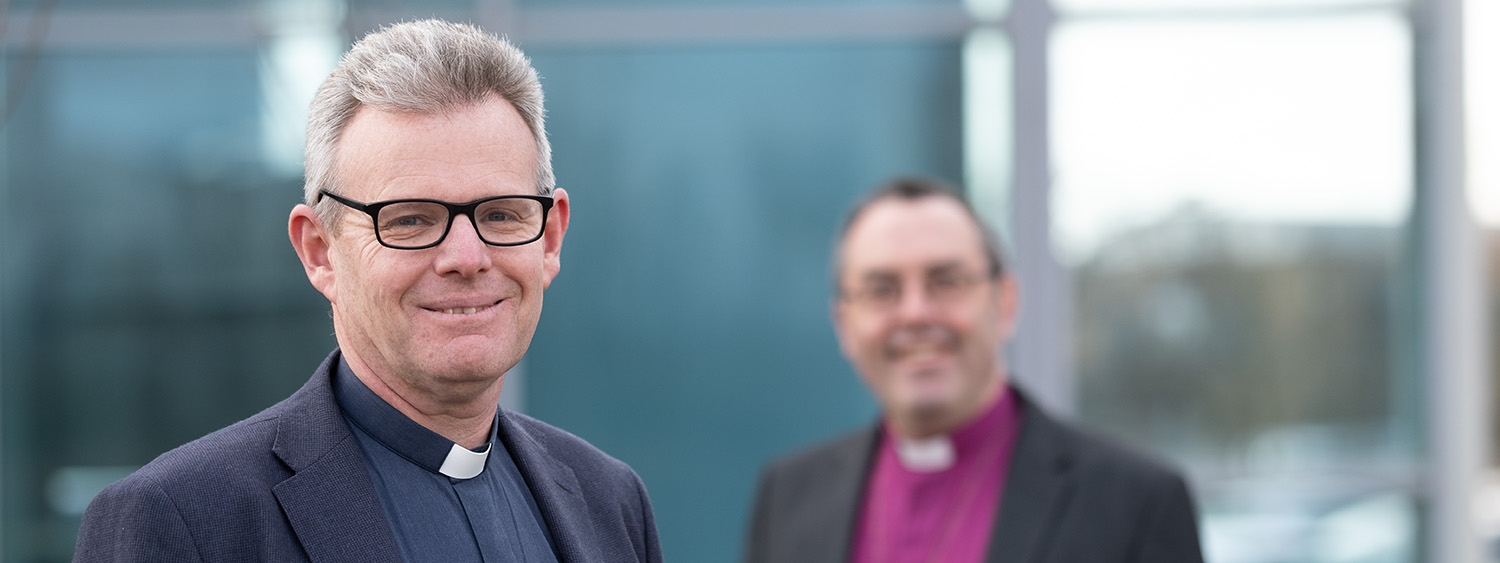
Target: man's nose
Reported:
[(462, 251), (916, 302)]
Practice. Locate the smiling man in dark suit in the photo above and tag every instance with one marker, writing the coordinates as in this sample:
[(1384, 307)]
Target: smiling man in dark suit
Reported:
[(962, 467), (432, 226)]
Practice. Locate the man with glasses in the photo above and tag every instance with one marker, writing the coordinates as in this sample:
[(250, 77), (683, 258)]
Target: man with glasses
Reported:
[(432, 227), (963, 467)]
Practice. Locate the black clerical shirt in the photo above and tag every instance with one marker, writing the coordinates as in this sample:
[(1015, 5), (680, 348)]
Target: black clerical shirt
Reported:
[(438, 507)]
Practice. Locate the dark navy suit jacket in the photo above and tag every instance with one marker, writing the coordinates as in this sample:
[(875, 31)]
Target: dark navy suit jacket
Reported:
[(1068, 498), (290, 484)]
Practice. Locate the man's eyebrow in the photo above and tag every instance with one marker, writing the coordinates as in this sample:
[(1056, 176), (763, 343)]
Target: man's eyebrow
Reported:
[(878, 275), (945, 267)]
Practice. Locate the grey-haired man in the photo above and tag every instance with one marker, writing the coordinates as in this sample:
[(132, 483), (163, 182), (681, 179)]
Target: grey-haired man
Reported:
[(432, 226)]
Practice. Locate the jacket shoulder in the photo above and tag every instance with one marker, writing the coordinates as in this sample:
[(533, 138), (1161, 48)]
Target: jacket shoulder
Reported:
[(1125, 504), (1100, 456), (568, 448), (213, 460), (176, 507), (805, 502), (613, 496), (838, 451)]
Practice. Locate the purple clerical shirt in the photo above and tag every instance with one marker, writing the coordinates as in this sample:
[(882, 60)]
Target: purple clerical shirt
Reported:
[(941, 515)]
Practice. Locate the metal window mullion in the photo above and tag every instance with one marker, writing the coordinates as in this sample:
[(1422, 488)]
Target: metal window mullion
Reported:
[(1042, 353), (1451, 289)]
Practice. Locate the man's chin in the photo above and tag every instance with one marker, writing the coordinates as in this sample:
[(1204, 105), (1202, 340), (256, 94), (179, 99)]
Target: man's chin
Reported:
[(930, 407), (460, 367), (473, 369), (481, 352)]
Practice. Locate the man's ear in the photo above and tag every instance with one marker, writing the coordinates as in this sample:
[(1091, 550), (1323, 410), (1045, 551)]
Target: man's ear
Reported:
[(313, 247), (1008, 305), (837, 310), (552, 238)]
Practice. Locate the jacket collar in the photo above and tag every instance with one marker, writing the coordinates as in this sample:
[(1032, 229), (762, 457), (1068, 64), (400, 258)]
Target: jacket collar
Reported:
[(329, 500), (1037, 489), (555, 488), (332, 504)]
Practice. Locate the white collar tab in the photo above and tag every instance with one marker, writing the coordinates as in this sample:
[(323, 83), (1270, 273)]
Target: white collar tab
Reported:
[(927, 455), (463, 463)]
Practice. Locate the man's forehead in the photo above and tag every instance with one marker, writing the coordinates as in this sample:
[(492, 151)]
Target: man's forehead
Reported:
[(481, 143), (920, 234), (939, 267)]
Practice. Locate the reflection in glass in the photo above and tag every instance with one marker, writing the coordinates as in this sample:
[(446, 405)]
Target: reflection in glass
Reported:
[(707, 182), (173, 308), (1231, 199), (1482, 117), (987, 124), (694, 4), (1306, 121), (303, 43)]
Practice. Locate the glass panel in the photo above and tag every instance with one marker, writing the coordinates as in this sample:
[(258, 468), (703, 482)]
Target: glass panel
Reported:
[(1482, 80), (65, 7), (543, 4), (412, 9), (1232, 199), (688, 333), (988, 129), (1085, 7), (150, 294)]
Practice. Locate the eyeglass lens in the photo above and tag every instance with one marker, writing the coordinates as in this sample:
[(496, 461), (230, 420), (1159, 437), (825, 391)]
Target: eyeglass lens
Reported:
[(499, 221)]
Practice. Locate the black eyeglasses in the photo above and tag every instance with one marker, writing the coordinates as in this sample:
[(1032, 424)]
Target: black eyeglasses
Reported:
[(414, 224), (942, 288)]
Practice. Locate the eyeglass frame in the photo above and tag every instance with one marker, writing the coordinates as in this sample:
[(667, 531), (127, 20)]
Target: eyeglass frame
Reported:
[(454, 210), (930, 289)]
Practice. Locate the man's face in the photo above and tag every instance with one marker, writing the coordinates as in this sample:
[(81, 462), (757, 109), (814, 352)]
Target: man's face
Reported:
[(920, 317), (445, 321)]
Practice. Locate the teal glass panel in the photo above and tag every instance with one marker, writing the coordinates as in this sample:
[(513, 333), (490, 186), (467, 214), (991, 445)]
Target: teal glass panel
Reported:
[(150, 293), (688, 333), (544, 4), (462, 10), (67, 7), (62, 6)]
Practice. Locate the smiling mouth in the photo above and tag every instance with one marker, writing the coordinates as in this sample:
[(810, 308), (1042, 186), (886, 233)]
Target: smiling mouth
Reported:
[(464, 310)]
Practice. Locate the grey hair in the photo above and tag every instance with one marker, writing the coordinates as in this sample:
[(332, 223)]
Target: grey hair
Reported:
[(422, 67)]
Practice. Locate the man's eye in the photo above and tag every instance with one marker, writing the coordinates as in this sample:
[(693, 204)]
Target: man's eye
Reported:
[(408, 221), (943, 283), (883, 292), (499, 217)]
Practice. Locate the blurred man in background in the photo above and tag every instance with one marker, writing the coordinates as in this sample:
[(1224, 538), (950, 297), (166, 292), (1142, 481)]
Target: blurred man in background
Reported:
[(432, 227), (962, 467)]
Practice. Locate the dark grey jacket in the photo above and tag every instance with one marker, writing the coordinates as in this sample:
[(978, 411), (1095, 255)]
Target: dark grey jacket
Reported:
[(290, 484), (1068, 498)]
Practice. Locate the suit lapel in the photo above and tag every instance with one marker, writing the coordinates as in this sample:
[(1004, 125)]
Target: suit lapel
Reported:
[(329, 500), (1037, 490), (558, 496), (333, 509), (843, 498)]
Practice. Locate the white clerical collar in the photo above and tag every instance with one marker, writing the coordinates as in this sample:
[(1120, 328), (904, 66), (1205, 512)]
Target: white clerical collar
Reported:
[(463, 463), (927, 455), (402, 435)]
